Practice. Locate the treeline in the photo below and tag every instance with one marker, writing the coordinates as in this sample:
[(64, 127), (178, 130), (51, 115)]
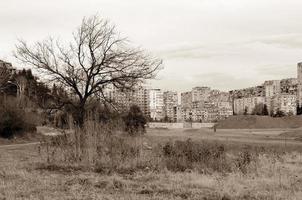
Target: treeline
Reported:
[(262, 110), (23, 96)]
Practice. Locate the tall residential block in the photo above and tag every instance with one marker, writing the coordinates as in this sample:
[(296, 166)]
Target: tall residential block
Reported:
[(170, 105), (289, 86), (286, 103), (247, 105), (122, 100), (186, 99), (272, 88), (200, 93), (156, 104)]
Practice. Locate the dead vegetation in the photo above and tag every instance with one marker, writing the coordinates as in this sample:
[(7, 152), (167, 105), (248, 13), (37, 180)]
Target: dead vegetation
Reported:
[(101, 161), (269, 176)]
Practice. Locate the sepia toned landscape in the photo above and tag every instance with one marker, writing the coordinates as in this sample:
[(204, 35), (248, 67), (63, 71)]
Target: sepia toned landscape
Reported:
[(116, 100), (259, 164)]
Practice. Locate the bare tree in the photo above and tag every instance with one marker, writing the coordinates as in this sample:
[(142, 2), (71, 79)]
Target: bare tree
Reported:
[(4, 77), (95, 58)]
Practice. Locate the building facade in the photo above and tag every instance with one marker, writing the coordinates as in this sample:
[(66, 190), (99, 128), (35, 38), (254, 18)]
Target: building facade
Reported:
[(156, 104), (286, 103), (247, 105), (272, 88), (170, 105), (122, 100)]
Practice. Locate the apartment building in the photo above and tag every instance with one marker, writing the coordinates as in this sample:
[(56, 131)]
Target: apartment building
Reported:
[(289, 86), (272, 88), (200, 93), (122, 100), (156, 104), (286, 103), (257, 91), (186, 99), (247, 105), (170, 105)]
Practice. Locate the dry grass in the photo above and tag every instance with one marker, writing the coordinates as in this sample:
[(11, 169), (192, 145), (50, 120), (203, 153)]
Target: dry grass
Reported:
[(272, 177), (254, 173), (260, 122)]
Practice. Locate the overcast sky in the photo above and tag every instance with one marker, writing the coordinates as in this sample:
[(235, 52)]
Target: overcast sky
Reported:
[(224, 44)]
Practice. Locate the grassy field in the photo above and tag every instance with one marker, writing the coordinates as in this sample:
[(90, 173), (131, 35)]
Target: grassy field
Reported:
[(23, 174), (260, 122), (286, 140)]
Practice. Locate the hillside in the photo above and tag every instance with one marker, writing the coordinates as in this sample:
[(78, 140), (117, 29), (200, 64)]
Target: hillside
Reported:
[(260, 122)]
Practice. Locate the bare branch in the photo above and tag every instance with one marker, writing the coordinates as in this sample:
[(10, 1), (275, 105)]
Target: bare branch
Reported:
[(95, 58)]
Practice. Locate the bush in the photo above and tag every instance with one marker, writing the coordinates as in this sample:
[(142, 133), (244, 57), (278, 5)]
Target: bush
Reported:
[(246, 159), (279, 113), (103, 147), (135, 121), (189, 155), (13, 122)]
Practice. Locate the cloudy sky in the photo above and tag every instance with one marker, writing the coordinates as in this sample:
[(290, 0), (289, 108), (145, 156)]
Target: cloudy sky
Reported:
[(224, 44)]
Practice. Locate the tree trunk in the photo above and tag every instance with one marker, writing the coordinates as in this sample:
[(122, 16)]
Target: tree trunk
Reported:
[(79, 115)]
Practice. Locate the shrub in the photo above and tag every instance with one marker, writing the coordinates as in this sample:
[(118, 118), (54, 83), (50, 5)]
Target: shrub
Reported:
[(279, 113), (135, 121), (103, 147), (188, 155), (246, 158), (13, 122)]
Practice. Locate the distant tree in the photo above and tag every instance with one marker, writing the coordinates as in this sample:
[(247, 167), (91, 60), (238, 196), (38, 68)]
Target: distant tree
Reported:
[(166, 119), (279, 113), (96, 57), (5, 75), (135, 121), (260, 109), (299, 110), (265, 110), (245, 111)]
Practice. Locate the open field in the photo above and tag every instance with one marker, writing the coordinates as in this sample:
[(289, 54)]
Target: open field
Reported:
[(260, 122), (282, 139), (23, 174)]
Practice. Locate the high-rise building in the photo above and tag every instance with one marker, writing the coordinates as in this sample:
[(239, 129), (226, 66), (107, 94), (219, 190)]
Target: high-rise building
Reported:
[(289, 86), (170, 105), (200, 93), (156, 104), (257, 91), (247, 105), (186, 99), (124, 99), (272, 88), (286, 103), (140, 97)]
